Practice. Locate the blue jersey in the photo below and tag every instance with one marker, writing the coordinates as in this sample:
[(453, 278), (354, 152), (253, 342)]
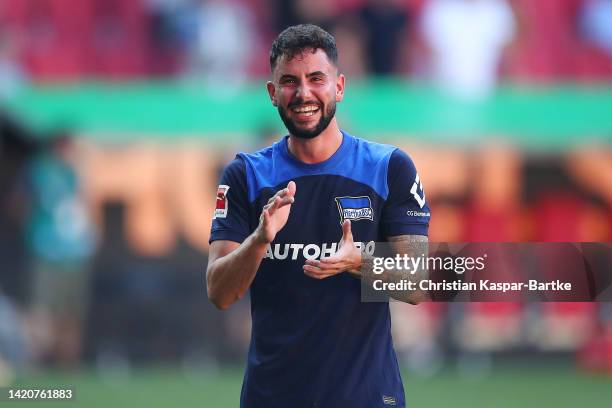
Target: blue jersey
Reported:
[(313, 342)]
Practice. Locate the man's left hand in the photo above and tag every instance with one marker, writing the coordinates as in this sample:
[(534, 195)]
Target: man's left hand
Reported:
[(347, 259)]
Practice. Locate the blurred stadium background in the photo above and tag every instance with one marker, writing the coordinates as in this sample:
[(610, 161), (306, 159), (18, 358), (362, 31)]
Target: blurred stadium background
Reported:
[(116, 117)]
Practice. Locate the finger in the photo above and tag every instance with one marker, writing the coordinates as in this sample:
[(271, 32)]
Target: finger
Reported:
[(282, 193), (312, 269), (279, 193), (266, 216), (265, 209), (274, 205), (281, 202), (316, 273), (323, 266), (319, 277), (346, 230), (329, 262), (312, 272), (312, 262), (322, 270), (313, 275), (285, 201), (291, 188), (331, 259)]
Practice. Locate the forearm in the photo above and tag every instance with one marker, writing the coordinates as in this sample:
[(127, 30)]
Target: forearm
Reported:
[(229, 277), (412, 246)]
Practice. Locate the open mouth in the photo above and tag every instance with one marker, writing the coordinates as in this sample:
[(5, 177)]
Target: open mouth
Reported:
[(305, 111)]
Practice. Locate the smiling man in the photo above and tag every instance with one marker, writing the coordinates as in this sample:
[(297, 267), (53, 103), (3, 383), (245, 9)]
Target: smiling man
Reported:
[(295, 224)]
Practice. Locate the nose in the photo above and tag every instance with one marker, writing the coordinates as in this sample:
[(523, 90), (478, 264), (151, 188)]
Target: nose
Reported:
[(303, 91)]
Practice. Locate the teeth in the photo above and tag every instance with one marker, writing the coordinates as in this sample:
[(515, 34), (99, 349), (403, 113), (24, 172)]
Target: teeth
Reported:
[(303, 109)]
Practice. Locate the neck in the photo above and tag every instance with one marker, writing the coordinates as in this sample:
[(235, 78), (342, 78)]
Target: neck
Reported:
[(318, 149)]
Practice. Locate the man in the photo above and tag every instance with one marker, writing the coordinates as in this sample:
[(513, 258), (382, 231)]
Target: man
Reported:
[(280, 214)]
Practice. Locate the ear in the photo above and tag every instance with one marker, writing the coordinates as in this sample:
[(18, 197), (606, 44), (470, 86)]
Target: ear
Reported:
[(340, 87), (272, 92)]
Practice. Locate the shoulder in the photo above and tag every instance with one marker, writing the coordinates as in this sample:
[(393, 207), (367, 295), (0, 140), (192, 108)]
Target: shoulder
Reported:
[(401, 161), (258, 159), (394, 157), (264, 155), (259, 162), (235, 170), (236, 165), (372, 152), (379, 165), (260, 169)]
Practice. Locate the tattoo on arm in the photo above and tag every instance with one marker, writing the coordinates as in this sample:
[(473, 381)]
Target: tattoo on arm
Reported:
[(412, 246)]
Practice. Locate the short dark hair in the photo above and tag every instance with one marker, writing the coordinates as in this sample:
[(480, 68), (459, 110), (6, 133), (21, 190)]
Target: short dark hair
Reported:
[(295, 39)]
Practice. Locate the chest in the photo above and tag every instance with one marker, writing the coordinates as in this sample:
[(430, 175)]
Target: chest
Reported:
[(322, 204)]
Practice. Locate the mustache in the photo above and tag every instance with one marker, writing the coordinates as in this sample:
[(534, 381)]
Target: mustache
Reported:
[(301, 102)]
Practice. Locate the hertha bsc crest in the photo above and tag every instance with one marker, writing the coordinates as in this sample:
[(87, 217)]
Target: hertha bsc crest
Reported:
[(355, 208), (221, 206)]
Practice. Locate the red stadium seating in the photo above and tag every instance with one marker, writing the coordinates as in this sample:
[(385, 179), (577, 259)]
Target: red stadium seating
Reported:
[(48, 35), (489, 225), (592, 64), (119, 38), (63, 39), (549, 46)]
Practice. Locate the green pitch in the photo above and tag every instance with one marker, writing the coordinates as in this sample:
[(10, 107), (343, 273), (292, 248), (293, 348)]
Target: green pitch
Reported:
[(536, 385)]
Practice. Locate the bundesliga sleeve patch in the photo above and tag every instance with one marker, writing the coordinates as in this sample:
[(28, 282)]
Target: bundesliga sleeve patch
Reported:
[(222, 204)]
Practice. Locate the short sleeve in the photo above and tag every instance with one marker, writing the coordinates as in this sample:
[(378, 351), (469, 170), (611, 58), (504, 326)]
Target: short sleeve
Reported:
[(231, 217), (405, 211)]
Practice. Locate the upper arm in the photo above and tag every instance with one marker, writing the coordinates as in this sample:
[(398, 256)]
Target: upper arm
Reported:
[(406, 211), (407, 239), (218, 249), (232, 218), (230, 224)]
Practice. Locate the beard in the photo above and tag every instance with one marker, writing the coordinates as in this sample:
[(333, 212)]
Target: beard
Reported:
[(326, 116)]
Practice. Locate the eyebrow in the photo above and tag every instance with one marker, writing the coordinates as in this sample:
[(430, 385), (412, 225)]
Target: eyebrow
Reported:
[(316, 73), (311, 74)]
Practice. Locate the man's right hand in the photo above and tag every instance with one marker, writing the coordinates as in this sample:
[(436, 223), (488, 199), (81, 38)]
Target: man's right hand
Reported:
[(275, 214), (232, 266)]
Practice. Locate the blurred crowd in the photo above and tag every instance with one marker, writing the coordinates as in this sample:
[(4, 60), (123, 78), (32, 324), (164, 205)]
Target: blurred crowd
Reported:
[(464, 46)]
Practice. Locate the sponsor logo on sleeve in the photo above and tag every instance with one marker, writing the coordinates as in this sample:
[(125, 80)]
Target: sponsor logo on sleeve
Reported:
[(222, 204), (355, 208), (417, 191), (412, 213)]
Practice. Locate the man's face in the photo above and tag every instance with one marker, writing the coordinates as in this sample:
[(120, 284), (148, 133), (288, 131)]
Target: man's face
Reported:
[(305, 90)]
